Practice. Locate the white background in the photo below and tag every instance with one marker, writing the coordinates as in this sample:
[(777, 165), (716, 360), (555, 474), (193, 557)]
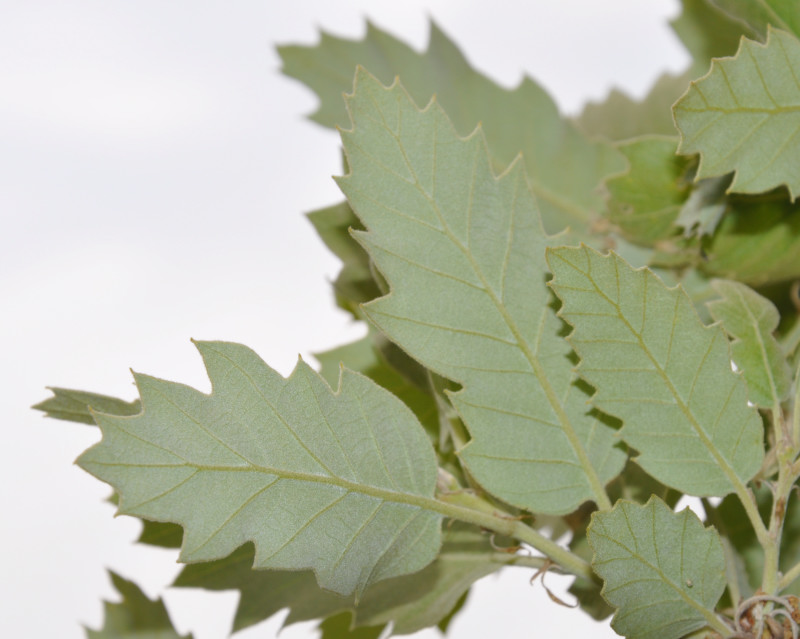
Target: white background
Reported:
[(154, 168)]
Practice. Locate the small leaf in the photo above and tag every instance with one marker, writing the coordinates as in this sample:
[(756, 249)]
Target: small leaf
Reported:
[(751, 320), (703, 210), (744, 116), (564, 167), (73, 405), (661, 371), (469, 301), (644, 202), (664, 571), (781, 14), (344, 482), (137, 617)]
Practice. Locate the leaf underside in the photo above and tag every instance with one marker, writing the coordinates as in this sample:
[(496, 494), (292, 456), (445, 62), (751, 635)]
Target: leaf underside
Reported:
[(752, 319), (463, 253), (340, 483), (661, 371), (744, 116), (664, 571), (563, 166)]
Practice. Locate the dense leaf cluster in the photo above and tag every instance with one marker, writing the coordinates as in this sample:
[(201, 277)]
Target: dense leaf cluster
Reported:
[(573, 323)]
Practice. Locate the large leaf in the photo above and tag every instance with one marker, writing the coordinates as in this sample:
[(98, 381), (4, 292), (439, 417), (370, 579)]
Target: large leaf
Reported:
[(136, 617), (645, 201), (663, 570), (341, 483), (751, 320), (564, 167), (411, 602), (620, 117), (744, 116), (661, 371), (74, 405), (464, 255), (758, 14)]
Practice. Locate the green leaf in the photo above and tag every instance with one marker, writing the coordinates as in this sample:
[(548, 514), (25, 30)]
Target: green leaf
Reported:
[(159, 533), (74, 405), (137, 617), (744, 116), (620, 117), (661, 371), (664, 571), (344, 480), (758, 14), (412, 602), (703, 210), (564, 167), (644, 202), (355, 283), (707, 32), (757, 242), (751, 320), (463, 252)]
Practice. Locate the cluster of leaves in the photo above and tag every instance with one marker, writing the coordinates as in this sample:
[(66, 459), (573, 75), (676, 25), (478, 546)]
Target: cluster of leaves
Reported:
[(520, 379)]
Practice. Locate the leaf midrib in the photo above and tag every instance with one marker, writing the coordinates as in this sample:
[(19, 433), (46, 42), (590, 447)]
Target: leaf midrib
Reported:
[(385, 494)]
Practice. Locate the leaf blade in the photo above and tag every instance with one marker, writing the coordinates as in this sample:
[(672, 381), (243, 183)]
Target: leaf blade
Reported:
[(468, 300), (661, 592), (686, 415), (751, 320), (346, 480), (744, 116)]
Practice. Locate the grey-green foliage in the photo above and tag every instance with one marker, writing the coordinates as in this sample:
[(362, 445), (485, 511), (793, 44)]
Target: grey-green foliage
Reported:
[(650, 554), (468, 298), (744, 116), (661, 371), (751, 320), (356, 467), (519, 388), (564, 167)]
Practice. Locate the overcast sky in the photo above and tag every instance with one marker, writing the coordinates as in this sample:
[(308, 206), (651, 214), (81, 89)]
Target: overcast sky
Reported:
[(154, 168)]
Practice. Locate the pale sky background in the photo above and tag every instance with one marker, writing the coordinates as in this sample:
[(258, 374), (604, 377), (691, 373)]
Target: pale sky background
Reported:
[(154, 168)]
